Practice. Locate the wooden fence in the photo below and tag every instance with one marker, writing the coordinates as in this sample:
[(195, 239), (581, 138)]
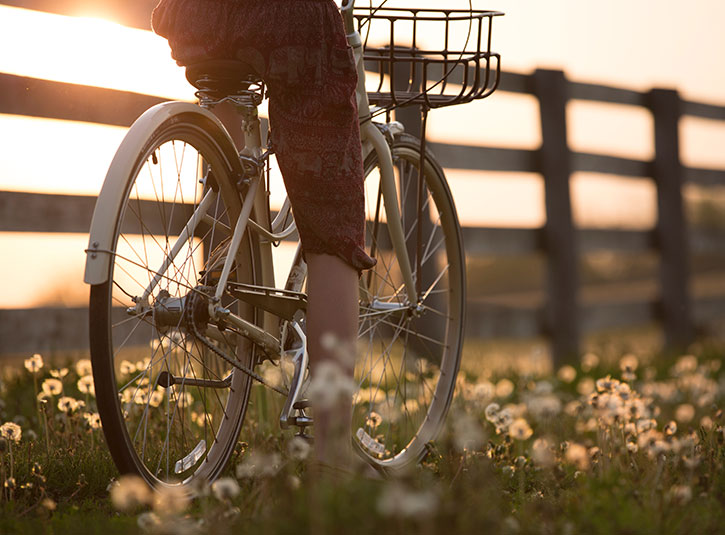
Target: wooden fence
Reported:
[(562, 319)]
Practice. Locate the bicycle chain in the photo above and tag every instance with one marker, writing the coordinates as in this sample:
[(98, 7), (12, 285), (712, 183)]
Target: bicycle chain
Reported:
[(189, 319)]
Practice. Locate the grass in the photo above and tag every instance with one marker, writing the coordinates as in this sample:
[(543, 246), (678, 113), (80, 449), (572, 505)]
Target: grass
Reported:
[(623, 444)]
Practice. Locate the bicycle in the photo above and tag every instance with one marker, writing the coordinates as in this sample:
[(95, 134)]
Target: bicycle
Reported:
[(183, 303)]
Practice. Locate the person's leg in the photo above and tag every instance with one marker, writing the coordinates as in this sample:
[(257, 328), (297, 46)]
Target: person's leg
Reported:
[(332, 309)]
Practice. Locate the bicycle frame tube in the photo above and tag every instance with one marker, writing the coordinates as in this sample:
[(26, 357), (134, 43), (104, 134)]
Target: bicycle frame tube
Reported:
[(369, 133)]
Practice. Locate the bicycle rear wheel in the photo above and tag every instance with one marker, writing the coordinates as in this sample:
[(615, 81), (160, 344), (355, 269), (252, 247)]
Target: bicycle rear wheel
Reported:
[(408, 354), (171, 408)]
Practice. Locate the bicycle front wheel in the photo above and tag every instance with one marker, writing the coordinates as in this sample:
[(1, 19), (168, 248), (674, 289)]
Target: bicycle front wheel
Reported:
[(408, 353), (170, 406)]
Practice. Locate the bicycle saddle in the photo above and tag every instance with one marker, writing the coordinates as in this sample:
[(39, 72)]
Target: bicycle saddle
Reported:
[(222, 77)]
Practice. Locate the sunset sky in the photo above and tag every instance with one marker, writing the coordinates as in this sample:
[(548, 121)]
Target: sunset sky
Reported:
[(635, 44)]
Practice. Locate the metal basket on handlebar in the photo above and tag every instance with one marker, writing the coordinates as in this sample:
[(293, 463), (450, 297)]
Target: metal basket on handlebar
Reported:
[(428, 57)]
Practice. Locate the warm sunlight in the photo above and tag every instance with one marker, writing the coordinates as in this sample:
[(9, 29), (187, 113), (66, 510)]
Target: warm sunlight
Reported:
[(88, 51)]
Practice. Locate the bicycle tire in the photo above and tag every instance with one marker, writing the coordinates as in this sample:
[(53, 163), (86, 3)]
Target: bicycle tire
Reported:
[(162, 427), (401, 407)]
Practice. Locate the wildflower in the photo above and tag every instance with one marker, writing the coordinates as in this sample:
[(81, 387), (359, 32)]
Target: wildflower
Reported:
[(225, 489), (294, 482), (483, 391), (84, 367), (467, 433), (520, 429), (93, 419), (34, 363), (60, 373), (628, 363), (11, 431), (68, 404), (671, 428), (259, 465), (503, 420), (566, 374), (504, 388), (10, 483), (607, 384), (632, 447), (49, 504), (589, 362), (577, 455), (170, 500), (86, 386), (298, 448), (397, 500), (329, 385), (492, 411), (52, 387), (373, 420), (127, 368), (129, 493)]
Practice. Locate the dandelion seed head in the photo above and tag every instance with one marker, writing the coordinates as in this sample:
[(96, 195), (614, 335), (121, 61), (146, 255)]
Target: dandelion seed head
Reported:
[(329, 385), (577, 455), (541, 452), (492, 411), (59, 373), (34, 363), (170, 500), (93, 419), (398, 500), (84, 367), (298, 448), (467, 433), (628, 363), (11, 432), (48, 504), (520, 429), (86, 386), (566, 374), (127, 368), (373, 420), (259, 465), (225, 489), (129, 493), (52, 387), (685, 364), (504, 388), (68, 404)]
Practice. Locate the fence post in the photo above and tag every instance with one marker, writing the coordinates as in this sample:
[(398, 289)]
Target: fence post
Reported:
[(671, 232), (562, 314)]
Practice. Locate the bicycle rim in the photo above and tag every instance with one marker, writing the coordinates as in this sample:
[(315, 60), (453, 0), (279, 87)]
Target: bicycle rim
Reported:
[(171, 408), (408, 359)]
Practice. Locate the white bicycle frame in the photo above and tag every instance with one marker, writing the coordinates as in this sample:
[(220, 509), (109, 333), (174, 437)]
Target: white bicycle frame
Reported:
[(266, 336)]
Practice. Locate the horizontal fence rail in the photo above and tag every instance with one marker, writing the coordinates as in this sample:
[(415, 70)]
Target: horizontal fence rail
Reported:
[(559, 313)]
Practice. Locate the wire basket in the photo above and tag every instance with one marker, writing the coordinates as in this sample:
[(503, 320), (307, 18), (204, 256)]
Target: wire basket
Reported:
[(427, 57)]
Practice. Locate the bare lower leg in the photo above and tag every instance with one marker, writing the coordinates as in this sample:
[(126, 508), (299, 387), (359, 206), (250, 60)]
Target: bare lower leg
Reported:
[(332, 291)]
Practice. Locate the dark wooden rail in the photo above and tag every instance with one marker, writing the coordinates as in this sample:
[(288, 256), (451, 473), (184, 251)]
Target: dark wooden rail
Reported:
[(562, 318)]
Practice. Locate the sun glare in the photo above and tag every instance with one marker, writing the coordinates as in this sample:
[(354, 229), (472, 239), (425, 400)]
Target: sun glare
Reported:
[(89, 51)]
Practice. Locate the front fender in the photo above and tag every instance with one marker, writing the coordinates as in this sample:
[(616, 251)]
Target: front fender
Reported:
[(116, 183)]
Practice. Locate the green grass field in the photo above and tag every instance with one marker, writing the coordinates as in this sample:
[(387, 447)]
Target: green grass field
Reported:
[(618, 443)]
